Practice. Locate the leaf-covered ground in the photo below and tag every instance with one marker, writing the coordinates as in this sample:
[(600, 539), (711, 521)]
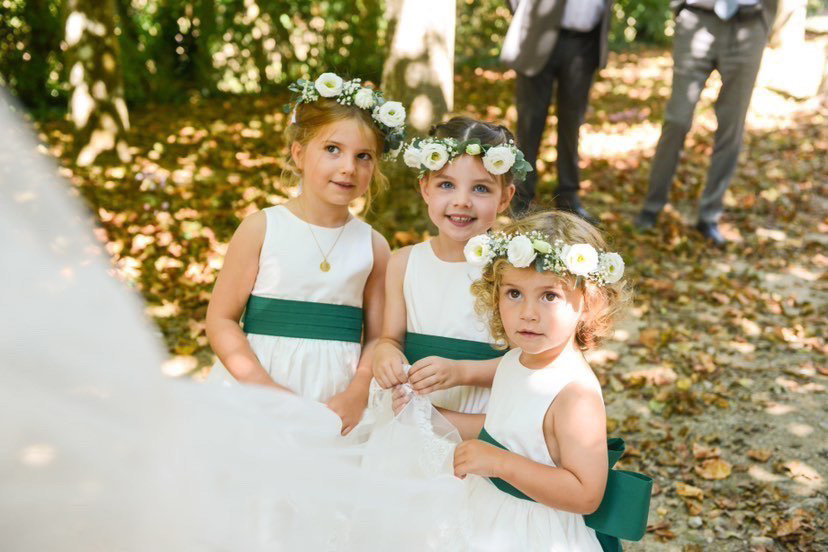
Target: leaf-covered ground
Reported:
[(717, 379)]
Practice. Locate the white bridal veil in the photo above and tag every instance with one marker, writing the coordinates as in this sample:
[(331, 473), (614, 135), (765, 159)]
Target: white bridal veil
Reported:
[(98, 451)]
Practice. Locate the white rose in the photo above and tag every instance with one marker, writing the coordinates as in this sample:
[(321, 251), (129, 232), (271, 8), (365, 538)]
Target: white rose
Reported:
[(580, 259), (364, 98), (413, 157), (328, 85), (391, 114), (521, 252), (478, 250), (612, 267), (435, 156), (473, 149), (499, 159)]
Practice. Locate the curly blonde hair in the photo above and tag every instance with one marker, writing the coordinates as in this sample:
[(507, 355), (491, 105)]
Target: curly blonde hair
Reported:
[(311, 118), (604, 304)]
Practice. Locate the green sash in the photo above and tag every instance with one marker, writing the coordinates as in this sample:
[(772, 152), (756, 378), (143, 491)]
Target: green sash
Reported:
[(268, 316), (419, 346), (624, 508)]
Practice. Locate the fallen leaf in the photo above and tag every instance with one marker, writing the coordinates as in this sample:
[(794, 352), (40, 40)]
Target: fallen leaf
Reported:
[(760, 455), (689, 491), (694, 507), (714, 468), (650, 338), (721, 297), (652, 376), (701, 451), (789, 526)]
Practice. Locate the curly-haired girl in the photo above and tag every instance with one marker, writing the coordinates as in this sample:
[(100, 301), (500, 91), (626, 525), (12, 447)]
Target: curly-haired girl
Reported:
[(549, 290)]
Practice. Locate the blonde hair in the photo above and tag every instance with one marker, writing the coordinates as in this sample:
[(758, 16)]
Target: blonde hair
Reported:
[(603, 304), (311, 118)]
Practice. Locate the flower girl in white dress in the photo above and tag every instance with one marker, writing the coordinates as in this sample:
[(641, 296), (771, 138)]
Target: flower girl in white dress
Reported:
[(549, 291), (467, 169), (306, 275)]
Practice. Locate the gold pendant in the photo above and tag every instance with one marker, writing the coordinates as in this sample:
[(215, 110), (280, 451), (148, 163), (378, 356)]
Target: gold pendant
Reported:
[(324, 266)]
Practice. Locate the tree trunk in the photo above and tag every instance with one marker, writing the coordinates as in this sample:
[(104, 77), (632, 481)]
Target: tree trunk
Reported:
[(96, 105), (419, 70), (789, 26)]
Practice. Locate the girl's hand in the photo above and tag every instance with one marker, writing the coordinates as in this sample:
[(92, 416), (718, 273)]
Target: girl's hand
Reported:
[(478, 458), (349, 406), (399, 399), (433, 373), (388, 366)]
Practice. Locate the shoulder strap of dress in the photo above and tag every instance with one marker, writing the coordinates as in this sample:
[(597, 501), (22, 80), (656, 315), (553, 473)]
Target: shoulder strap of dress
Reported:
[(572, 375), (275, 215), (273, 218)]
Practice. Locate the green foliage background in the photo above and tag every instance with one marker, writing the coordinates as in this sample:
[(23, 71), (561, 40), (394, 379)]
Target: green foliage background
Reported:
[(172, 48)]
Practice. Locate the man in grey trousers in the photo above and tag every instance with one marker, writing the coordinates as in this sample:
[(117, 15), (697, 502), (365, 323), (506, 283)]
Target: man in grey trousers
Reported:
[(560, 44), (728, 36)]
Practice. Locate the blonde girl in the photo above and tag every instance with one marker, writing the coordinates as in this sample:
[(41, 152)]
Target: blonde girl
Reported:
[(307, 275)]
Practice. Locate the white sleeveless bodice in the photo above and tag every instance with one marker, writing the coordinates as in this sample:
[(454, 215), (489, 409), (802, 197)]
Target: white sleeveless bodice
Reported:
[(289, 261), (520, 399), (518, 404), (438, 301), (289, 269)]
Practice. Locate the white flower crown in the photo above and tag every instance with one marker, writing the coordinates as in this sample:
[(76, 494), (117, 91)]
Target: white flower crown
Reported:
[(432, 154), (388, 116), (522, 250)]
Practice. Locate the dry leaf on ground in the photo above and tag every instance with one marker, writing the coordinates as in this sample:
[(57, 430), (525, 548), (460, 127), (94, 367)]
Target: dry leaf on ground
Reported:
[(714, 468)]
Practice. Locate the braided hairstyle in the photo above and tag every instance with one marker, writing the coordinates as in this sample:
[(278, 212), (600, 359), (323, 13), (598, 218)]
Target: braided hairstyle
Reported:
[(465, 128)]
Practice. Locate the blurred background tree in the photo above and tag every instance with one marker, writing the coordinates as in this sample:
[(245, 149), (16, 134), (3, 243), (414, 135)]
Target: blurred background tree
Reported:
[(96, 105), (419, 68), (170, 51), (173, 48)]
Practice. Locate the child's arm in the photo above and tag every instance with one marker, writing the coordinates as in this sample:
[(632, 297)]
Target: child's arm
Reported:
[(233, 286), (433, 373), (350, 404), (388, 356), (578, 422)]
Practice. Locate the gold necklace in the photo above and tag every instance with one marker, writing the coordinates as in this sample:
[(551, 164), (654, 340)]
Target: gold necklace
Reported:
[(324, 266)]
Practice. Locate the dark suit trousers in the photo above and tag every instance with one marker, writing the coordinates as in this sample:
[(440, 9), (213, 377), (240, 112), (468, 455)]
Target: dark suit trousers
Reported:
[(571, 67)]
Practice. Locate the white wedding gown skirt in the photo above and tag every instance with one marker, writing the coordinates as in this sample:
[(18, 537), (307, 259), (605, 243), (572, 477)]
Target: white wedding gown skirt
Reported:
[(98, 451)]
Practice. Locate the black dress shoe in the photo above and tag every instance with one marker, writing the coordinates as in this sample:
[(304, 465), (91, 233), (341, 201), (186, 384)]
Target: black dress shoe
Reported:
[(577, 209), (645, 220), (710, 230)]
